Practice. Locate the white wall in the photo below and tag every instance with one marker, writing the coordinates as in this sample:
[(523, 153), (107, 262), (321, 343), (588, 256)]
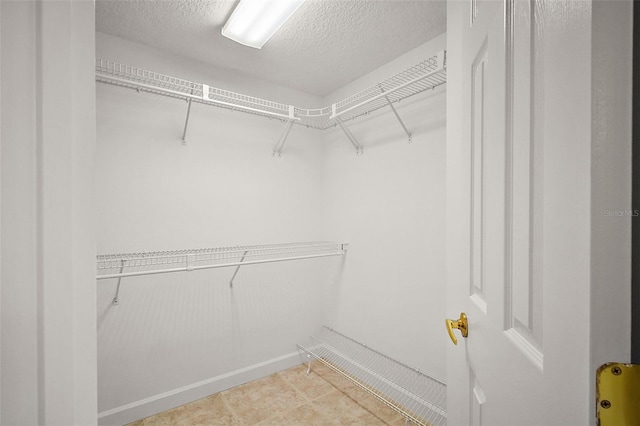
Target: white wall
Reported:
[(19, 367), (48, 337), (390, 205), (222, 188)]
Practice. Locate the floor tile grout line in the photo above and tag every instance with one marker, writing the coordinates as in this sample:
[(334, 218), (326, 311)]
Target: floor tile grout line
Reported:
[(231, 410), (320, 396), (355, 401), (309, 400), (275, 415), (271, 376), (363, 407), (306, 398), (295, 389)]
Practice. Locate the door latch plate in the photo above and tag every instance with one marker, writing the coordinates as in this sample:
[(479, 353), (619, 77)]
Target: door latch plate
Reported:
[(618, 394)]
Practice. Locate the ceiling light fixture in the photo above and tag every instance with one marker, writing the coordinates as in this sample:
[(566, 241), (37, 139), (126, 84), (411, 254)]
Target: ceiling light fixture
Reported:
[(253, 22)]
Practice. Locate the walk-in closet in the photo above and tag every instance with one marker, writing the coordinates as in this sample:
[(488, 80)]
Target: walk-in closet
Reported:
[(246, 226), (367, 212)]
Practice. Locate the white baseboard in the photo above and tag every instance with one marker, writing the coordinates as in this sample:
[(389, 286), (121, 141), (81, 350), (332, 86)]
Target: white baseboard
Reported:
[(183, 395)]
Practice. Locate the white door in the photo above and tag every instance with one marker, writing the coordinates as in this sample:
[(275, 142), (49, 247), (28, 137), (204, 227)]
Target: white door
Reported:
[(520, 212)]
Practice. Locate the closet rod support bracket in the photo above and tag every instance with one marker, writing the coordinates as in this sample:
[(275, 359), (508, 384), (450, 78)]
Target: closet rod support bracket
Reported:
[(186, 124), (359, 148), (237, 269), (395, 112), (277, 150), (116, 298)]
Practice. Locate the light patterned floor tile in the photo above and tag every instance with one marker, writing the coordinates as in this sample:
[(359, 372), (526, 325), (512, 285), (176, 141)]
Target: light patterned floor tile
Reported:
[(312, 386), (209, 411), (344, 411), (263, 398), (334, 378), (167, 418), (278, 420), (308, 414), (288, 398), (373, 405)]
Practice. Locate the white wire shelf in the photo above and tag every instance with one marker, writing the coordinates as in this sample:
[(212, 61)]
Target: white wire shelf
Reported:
[(315, 118), (118, 266), (418, 397), (148, 263), (139, 79), (426, 75), (423, 76)]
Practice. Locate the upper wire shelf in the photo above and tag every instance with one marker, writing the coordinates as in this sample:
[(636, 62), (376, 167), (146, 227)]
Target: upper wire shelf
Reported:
[(147, 263), (426, 75), (148, 81), (423, 76)]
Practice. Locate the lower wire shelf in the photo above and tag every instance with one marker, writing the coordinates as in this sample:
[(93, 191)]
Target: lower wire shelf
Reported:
[(419, 398)]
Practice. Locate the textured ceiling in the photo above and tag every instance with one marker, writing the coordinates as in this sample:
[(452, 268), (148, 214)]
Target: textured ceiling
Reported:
[(325, 44)]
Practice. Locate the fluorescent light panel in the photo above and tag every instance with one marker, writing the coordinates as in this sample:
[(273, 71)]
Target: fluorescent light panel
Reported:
[(253, 22)]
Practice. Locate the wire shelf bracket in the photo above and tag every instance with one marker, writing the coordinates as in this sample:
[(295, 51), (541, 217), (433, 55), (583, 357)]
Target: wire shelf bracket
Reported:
[(237, 269), (420, 399), (116, 298), (150, 263), (359, 148), (186, 123), (395, 112), (277, 150)]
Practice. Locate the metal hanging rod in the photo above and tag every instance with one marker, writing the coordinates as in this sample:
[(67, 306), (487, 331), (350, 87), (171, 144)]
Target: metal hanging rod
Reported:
[(419, 78), (149, 263), (419, 398)]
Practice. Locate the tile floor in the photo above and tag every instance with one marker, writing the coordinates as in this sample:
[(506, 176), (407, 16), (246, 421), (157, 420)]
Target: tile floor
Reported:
[(287, 398)]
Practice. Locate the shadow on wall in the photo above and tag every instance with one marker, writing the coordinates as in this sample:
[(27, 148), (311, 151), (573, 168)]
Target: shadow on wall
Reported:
[(421, 114), (175, 329)]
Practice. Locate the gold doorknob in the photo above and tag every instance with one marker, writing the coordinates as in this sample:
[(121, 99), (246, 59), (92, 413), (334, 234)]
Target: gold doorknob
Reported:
[(461, 324)]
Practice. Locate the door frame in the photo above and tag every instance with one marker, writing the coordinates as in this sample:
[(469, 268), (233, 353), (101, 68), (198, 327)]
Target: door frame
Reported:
[(635, 223)]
